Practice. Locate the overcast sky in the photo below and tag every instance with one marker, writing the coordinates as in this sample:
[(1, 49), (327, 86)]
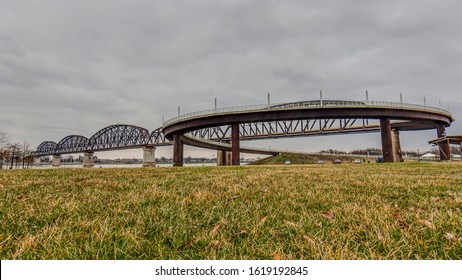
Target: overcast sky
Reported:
[(74, 67)]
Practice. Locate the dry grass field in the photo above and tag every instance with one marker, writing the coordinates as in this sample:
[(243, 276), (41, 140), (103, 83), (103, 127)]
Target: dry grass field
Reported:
[(376, 211)]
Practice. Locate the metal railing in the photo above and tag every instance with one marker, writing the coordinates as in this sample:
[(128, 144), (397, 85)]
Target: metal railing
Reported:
[(217, 111), (306, 104)]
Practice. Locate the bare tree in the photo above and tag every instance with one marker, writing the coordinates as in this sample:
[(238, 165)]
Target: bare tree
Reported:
[(2, 156), (14, 153), (26, 155), (4, 139)]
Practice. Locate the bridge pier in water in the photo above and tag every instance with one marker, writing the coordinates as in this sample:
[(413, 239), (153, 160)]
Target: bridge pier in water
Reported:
[(56, 161), (149, 156), (177, 150), (235, 154), (88, 161), (444, 148)]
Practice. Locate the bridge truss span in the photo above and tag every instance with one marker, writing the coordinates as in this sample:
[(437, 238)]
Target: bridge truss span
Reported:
[(287, 128), (119, 137), (46, 148), (72, 144), (157, 138)]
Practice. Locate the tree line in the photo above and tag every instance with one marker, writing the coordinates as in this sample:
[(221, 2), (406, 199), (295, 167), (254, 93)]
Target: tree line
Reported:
[(14, 154), (378, 152)]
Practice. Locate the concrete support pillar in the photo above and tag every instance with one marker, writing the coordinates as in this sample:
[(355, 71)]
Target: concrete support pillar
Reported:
[(88, 161), (149, 156), (397, 156), (229, 160), (36, 160), (177, 150), (56, 161), (221, 158), (445, 149), (224, 158), (387, 145), (236, 160)]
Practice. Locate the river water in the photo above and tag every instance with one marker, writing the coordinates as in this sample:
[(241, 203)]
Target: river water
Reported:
[(138, 165)]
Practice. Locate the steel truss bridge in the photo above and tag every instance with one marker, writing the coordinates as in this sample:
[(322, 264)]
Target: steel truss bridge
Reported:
[(114, 137), (223, 128)]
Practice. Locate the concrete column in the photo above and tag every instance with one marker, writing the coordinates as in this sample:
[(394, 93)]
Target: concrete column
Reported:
[(397, 156), (445, 150), (224, 158), (221, 158), (177, 150), (229, 160), (235, 144), (149, 156), (36, 160), (56, 161), (387, 145), (88, 161)]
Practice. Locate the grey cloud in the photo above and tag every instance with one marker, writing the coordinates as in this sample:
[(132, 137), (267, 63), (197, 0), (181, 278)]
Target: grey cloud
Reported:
[(72, 67)]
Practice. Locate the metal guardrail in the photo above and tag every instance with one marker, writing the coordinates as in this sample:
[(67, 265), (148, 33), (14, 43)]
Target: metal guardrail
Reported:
[(216, 111), (306, 104)]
